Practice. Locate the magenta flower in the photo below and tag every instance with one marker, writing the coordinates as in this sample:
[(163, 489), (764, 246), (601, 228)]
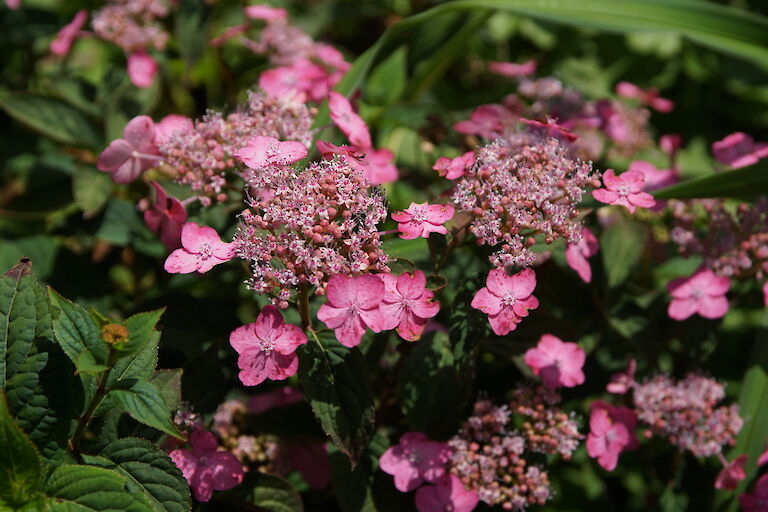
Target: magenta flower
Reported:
[(279, 397), (263, 151), (739, 150), (506, 299), (407, 304), (622, 382), (352, 305), (166, 217), (267, 347), (576, 254), (654, 178), (201, 250), (670, 144), (702, 293), (265, 12), (512, 69), (447, 495), (731, 474), (419, 220), (552, 129), (758, 500), (611, 431), (486, 120), (296, 83), (452, 168), (171, 125), (625, 189), (648, 97), (13, 4), (206, 468), (128, 157), (380, 167), (558, 363), (415, 460), (348, 120), (63, 42), (763, 458), (765, 294), (142, 69)]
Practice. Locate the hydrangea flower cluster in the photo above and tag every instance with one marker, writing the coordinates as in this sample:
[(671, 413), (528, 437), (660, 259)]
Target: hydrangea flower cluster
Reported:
[(132, 24)]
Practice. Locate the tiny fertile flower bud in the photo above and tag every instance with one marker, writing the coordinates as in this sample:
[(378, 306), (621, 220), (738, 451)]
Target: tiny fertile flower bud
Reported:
[(115, 335)]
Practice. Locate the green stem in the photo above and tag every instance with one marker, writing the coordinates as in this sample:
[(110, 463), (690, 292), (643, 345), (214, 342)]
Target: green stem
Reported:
[(85, 419)]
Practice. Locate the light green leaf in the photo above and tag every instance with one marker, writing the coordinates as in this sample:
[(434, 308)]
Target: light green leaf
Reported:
[(169, 384), (91, 489), (76, 331), (621, 246), (20, 471), (87, 364), (91, 189), (144, 403), (741, 183), (269, 493), (387, 82)]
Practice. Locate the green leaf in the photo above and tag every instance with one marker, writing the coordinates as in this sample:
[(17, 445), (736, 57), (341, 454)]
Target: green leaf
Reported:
[(143, 402), (351, 486), (169, 384), (51, 118), (141, 330), (43, 247), (20, 471), (267, 492), (621, 246), (335, 382), (87, 364), (91, 189), (91, 489), (740, 183), (18, 317), (76, 332), (387, 82)]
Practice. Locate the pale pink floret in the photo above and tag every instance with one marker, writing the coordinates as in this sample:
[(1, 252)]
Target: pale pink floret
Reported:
[(765, 294), (201, 250), (655, 178), (170, 125), (348, 120), (407, 304), (267, 348), (63, 42), (611, 431), (166, 217), (453, 168), (125, 159), (763, 458), (739, 150), (265, 12), (142, 69), (206, 468), (415, 460), (648, 97), (512, 69), (486, 120), (557, 363), (13, 4), (551, 129), (758, 500), (261, 152), (447, 495), (419, 220), (352, 305), (376, 164), (576, 255), (731, 474), (625, 189), (622, 382), (702, 293), (506, 299)]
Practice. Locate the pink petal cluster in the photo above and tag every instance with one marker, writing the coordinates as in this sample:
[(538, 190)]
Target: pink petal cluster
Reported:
[(166, 217), (261, 152), (348, 121), (758, 500), (622, 382), (625, 126), (267, 348), (407, 304), (655, 179), (142, 69), (506, 299), (279, 397), (171, 126), (512, 69), (648, 97), (375, 164), (731, 474), (415, 460), (447, 495), (201, 250), (611, 431), (205, 467), (132, 25), (452, 168), (63, 42), (125, 159), (625, 189), (265, 12), (739, 150), (551, 129), (702, 293), (558, 363), (487, 121), (419, 220), (352, 305), (576, 255)]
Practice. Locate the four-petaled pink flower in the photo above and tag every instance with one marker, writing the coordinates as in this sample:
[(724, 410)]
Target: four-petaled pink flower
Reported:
[(265, 12), (407, 304), (557, 362), (128, 157), (648, 97), (201, 250), (576, 254), (611, 431), (262, 151), (348, 120), (267, 348), (622, 382), (739, 150), (731, 474), (142, 69), (552, 129), (166, 217), (352, 305), (625, 189), (702, 293), (206, 468), (452, 168), (486, 120), (63, 42), (419, 220), (447, 495), (506, 299), (415, 460), (512, 69), (758, 500)]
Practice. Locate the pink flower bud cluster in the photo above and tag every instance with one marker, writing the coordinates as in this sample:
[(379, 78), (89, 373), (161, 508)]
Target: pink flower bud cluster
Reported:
[(229, 424), (521, 188), (304, 227), (132, 24), (686, 413)]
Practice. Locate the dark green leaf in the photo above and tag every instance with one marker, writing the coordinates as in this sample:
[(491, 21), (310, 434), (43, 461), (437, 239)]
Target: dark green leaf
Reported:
[(88, 488), (20, 471), (388, 80), (87, 364), (169, 384), (143, 402), (269, 493), (740, 183), (76, 331), (621, 246)]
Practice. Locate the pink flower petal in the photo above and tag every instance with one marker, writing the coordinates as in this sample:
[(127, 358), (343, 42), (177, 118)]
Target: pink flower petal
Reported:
[(141, 69)]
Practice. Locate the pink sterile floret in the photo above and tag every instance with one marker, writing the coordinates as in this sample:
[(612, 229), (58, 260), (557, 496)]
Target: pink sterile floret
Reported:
[(348, 120), (611, 431), (513, 69), (352, 305), (66, 36), (702, 293), (506, 299), (206, 468), (142, 69), (731, 474), (552, 129), (415, 460), (655, 178), (264, 151), (201, 250), (648, 97), (622, 382), (419, 220), (447, 495), (136, 152), (576, 254), (166, 217), (758, 500), (486, 120), (625, 189), (170, 126), (407, 304), (739, 150), (558, 363), (376, 164), (452, 168), (267, 348), (765, 294), (280, 397), (265, 12)]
